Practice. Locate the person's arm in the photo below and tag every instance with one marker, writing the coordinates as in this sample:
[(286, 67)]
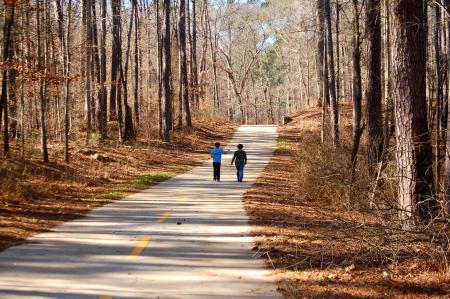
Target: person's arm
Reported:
[(234, 157), (245, 158)]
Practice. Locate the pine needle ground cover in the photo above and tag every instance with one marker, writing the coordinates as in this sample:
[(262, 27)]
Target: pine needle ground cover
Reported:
[(314, 227)]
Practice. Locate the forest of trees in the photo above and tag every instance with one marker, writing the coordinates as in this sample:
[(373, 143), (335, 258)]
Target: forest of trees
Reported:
[(128, 70)]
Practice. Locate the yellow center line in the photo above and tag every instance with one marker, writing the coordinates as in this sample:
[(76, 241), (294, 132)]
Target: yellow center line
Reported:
[(181, 198), (105, 297), (143, 242), (164, 217)]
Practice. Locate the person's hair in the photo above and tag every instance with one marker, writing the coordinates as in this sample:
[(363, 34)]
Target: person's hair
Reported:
[(217, 144), (240, 146)]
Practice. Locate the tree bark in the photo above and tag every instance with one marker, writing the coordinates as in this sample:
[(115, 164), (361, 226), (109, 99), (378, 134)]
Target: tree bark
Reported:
[(87, 16), (7, 45), (413, 153), (447, 152), (159, 44), (116, 23), (332, 78), (194, 54), (184, 102), (356, 81), (129, 133), (103, 90), (167, 74), (136, 66), (438, 90), (373, 90), (321, 74)]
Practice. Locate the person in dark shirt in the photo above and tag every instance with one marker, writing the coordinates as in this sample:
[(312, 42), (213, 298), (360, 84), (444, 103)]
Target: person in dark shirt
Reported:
[(240, 160)]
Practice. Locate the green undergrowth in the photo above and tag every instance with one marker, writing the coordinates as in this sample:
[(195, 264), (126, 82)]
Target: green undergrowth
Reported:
[(283, 145), (150, 178)]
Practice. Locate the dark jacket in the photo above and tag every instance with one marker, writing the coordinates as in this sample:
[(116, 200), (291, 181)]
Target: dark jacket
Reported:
[(239, 158)]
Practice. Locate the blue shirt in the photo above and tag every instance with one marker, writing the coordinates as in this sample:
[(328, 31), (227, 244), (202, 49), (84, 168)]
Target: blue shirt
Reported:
[(217, 154)]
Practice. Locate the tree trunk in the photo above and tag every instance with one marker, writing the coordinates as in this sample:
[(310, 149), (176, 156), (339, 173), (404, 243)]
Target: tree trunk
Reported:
[(129, 133), (332, 77), (116, 58), (159, 45), (7, 38), (167, 74), (413, 153), (87, 17), (42, 90), (136, 66), (322, 99), (389, 126), (357, 90), (194, 54), (438, 90), (184, 95), (373, 90), (65, 59), (116, 23), (338, 52), (447, 152), (102, 109)]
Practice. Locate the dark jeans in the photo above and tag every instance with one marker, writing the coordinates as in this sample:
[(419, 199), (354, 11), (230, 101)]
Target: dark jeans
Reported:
[(216, 166), (240, 172)]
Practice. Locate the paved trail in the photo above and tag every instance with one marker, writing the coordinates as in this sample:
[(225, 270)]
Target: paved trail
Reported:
[(187, 237)]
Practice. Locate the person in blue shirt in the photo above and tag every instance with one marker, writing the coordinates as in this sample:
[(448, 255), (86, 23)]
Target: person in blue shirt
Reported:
[(216, 155)]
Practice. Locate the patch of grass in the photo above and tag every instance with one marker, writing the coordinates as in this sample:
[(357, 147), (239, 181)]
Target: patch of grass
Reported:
[(134, 185), (283, 144), (95, 136), (149, 179)]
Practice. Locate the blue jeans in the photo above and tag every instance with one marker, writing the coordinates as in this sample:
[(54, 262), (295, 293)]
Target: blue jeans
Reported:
[(240, 172)]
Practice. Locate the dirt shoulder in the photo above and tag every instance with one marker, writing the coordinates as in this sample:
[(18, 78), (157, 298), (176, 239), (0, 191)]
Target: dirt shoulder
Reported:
[(37, 196), (319, 248)]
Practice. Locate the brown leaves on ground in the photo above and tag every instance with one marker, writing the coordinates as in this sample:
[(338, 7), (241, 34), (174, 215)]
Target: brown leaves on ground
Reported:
[(37, 196), (319, 247)]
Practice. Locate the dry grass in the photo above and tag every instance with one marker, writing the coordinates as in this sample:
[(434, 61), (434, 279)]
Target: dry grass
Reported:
[(37, 196), (323, 239)]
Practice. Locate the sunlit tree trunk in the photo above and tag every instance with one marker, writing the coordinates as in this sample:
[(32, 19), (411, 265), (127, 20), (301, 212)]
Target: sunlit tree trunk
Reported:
[(332, 78), (413, 153)]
